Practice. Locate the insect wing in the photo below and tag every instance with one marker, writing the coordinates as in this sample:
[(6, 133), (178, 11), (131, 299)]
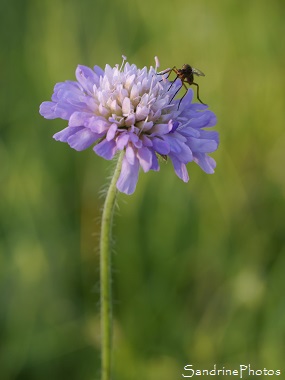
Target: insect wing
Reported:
[(197, 72)]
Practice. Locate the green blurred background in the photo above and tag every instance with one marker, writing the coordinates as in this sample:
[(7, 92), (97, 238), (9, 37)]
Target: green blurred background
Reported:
[(198, 271)]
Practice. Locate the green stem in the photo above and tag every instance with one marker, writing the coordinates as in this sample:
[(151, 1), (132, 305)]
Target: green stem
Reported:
[(105, 273)]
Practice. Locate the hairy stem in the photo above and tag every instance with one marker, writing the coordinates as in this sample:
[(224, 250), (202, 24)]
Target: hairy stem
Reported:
[(105, 273)]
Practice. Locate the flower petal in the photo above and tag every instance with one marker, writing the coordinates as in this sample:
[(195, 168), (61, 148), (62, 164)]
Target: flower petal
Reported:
[(145, 158), (178, 147), (122, 140), (130, 155), (106, 149), (79, 119), (154, 162), (98, 71), (128, 179), (160, 146), (205, 162), (47, 110), (65, 134), (180, 169), (86, 77), (82, 139), (142, 112), (111, 132), (202, 145), (51, 110), (126, 107), (161, 129), (98, 124)]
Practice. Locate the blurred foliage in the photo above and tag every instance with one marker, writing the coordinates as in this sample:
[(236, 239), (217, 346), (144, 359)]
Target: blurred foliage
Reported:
[(198, 267)]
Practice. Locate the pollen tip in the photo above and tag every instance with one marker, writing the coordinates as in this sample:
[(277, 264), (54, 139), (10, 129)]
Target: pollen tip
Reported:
[(157, 64)]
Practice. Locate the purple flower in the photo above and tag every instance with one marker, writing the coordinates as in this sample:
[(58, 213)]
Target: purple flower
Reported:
[(132, 109)]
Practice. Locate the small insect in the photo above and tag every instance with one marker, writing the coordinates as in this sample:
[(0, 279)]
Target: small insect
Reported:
[(186, 75)]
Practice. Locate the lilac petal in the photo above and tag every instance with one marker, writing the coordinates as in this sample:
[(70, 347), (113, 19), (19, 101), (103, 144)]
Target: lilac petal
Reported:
[(187, 131), (130, 81), (174, 87), (74, 98), (129, 177), (67, 85), (212, 121), (103, 110), (64, 110), (78, 119), (202, 145), (161, 129), (174, 125), (196, 122), (99, 71), (160, 146), (195, 110), (98, 124), (86, 77), (134, 94), (130, 155), (198, 107), (154, 162), (66, 92), (130, 120), (51, 110), (145, 158), (187, 100), (122, 141), (179, 148), (211, 135), (126, 106), (108, 72), (144, 126), (66, 133), (206, 119), (146, 141), (141, 112), (135, 140), (82, 139), (47, 110), (106, 149), (111, 132), (205, 162), (180, 169)]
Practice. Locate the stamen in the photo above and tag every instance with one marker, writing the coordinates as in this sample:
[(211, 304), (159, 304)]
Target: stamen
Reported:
[(124, 60), (157, 64)]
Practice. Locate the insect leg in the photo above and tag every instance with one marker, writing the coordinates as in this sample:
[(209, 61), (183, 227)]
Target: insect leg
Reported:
[(183, 95), (198, 93), (175, 92), (169, 71), (172, 84)]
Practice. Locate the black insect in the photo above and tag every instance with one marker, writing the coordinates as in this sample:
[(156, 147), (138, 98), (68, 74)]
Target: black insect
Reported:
[(186, 75)]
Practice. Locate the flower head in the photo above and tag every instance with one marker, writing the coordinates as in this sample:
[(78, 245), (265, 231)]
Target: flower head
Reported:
[(132, 109)]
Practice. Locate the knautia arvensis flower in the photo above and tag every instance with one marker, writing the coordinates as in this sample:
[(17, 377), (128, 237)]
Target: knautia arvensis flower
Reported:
[(131, 109)]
